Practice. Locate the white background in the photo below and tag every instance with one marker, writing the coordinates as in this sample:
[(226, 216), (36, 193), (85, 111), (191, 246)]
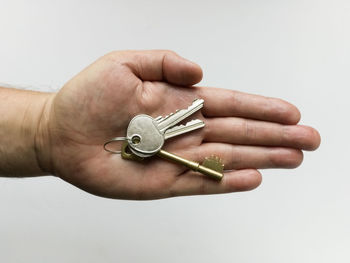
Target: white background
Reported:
[(294, 49)]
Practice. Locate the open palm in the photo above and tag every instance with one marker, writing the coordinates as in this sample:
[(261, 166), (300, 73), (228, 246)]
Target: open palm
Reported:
[(248, 132)]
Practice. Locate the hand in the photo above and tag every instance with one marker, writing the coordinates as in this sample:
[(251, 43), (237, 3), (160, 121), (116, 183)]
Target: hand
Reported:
[(248, 132)]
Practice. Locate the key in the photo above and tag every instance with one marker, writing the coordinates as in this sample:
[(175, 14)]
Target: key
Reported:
[(147, 135), (194, 166), (211, 167)]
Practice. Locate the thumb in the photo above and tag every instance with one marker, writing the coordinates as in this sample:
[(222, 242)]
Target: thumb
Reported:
[(161, 65)]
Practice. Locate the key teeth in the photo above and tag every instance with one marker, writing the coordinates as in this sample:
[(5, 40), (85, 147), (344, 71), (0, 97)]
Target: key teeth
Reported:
[(167, 116), (195, 100), (201, 101), (214, 162), (187, 124), (192, 121), (172, 113)]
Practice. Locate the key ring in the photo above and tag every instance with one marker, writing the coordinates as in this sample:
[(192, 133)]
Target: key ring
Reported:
[(116, 139)]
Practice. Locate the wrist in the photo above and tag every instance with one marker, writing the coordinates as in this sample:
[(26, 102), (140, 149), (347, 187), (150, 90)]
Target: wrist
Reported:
[(21, 113), (42, 141)]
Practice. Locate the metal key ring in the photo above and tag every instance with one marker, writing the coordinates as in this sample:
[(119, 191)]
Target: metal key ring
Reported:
[(116, 139)]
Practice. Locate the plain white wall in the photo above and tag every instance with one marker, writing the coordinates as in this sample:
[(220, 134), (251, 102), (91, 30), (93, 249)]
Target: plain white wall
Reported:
[(294, 49)]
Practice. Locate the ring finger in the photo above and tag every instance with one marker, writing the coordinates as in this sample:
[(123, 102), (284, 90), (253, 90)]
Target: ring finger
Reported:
[(242, 157)]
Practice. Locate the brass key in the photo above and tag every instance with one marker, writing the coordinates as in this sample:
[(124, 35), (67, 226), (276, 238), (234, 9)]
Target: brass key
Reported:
[(214, 174), (211, 167)]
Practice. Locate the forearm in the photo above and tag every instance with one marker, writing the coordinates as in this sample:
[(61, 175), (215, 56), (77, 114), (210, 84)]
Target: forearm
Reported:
[(21, 141)]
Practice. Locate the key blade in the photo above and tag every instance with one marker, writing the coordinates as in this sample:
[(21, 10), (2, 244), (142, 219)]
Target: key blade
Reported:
[(181, 129), (159, 119), (174, 118)]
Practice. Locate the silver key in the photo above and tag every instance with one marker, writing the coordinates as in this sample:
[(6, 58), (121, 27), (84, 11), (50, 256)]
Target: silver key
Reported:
[(146, 135), (181, 129), (174, 118)]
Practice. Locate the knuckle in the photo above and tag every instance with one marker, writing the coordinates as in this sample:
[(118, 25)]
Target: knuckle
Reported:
[(285, 110), (122, 56), (114, 57), (233, 100), (249, 130), (203, 187), (167, 52), (208, 132), (150, 96), (235, 157), (286, 158), (172, 192), (114, 54)]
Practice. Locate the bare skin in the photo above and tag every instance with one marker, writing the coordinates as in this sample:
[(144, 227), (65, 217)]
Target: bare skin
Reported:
[(248, 132)]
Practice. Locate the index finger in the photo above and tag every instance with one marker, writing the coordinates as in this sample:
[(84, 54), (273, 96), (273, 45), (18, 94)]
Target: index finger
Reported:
[(229, 103)]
